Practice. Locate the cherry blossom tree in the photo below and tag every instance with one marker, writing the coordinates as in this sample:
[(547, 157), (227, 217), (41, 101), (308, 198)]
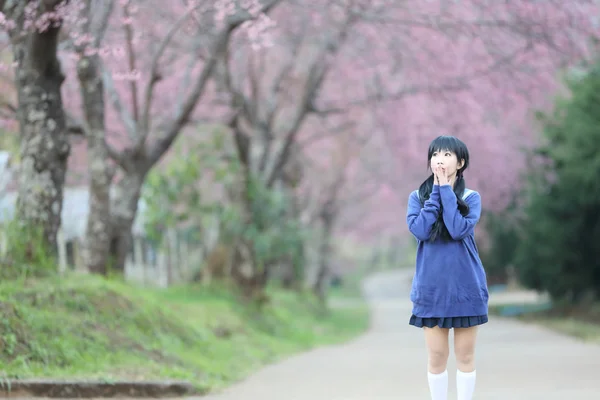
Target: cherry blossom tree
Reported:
[(33, 28), (209, 40), (474, 69), (93, 48), (150, 122), (415, 68), (272, 90), (470, 68)]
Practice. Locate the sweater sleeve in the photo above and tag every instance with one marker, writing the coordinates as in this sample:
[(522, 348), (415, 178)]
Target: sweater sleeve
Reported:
[(421, 220), (458, 226)]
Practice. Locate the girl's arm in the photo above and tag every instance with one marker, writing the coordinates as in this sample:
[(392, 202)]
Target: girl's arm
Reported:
[(458, 226), (421, 220)]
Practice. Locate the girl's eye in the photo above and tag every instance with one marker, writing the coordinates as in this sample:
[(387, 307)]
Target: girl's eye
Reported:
[(448, 154)]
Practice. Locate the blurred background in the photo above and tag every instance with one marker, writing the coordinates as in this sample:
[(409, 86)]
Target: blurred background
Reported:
[(212, 156)]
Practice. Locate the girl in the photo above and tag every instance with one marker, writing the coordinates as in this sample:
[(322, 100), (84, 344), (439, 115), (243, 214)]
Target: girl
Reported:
[(449, 289)]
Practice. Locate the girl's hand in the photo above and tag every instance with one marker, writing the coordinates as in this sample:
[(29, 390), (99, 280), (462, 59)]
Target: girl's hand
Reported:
[(442, 176), (435, 176)]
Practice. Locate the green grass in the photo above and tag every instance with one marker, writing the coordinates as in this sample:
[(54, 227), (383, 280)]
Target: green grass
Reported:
[(586, 331), (579, 322), (93, 328)]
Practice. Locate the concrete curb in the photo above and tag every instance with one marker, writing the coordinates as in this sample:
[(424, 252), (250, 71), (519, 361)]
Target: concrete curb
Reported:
[(89, 389)]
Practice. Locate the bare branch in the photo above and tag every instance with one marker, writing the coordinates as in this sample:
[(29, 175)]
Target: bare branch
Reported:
[(100, 25), (154, 73), (181, 118), (344, 127), (219, 47), (187, 77), (313, 83), (126, 118), (290, 124), (456, 84), (131, 59), (254, 79)]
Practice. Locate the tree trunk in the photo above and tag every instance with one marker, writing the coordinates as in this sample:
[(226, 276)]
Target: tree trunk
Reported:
[(293, 265), (324, 254), (98, 231), (124, 209), (45, 144), (246, 275)]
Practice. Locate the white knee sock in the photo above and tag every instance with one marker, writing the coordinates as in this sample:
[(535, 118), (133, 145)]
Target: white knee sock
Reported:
[(438, 385), (465, 384)]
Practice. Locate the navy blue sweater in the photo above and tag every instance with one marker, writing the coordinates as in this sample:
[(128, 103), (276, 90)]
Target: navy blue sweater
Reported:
[(449, 279)]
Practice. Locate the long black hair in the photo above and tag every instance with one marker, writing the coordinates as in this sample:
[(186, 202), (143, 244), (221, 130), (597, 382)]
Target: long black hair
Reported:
[(453, 145)]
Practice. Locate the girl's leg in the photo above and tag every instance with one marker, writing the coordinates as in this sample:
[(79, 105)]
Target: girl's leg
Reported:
[(436, 340), (464, 349)]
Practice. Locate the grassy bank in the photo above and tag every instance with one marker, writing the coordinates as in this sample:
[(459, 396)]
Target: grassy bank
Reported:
[(89, 327), (579, 322)]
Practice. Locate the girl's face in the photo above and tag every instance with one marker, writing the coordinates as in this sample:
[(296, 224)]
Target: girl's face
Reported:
[(446, 159)]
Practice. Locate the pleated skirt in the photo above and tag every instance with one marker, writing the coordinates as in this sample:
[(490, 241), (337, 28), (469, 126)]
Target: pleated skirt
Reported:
[(449, 322)]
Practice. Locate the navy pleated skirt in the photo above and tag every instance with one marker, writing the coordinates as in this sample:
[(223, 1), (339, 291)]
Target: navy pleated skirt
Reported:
[(450, 322)]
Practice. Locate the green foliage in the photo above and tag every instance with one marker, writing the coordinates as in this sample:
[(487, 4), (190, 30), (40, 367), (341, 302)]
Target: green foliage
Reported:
[(179, 195), (88, 327), (27, 253), (559, 249), (174, 193), (269, 228)]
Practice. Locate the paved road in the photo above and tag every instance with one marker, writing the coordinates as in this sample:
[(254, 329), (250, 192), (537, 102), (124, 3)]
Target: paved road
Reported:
[(514, 361)]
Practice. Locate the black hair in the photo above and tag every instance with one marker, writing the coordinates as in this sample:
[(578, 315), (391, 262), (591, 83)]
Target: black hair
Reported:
[(453, 145)]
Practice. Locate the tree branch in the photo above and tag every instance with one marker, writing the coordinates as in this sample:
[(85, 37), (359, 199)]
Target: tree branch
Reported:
[(131, 59), (126, 118), (319, 66), (98, 29), (314, 80), (154, 73), (187, 77), (329, 133), (162, 144), (220, 45)]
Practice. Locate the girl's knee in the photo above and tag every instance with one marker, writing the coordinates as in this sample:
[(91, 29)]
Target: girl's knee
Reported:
[(464, 348), (465, 360), (438, 358)]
